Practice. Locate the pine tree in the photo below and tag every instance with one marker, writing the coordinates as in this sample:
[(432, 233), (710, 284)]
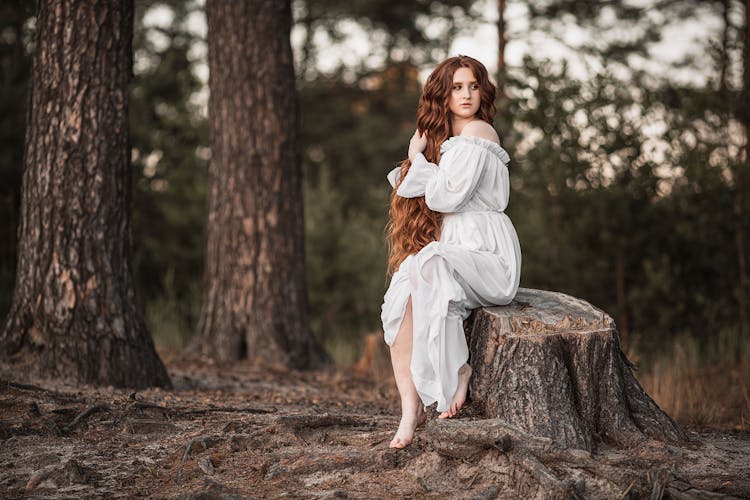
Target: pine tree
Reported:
[(74, 312), (254, 302)]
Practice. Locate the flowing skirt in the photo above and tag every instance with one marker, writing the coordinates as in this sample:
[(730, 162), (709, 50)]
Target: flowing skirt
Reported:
[(445, 281)]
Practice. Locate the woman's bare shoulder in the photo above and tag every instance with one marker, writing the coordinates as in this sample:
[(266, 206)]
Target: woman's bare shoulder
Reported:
[(482, 129)]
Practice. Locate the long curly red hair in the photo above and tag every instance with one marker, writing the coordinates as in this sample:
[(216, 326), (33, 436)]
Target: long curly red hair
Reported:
[(412, 225)]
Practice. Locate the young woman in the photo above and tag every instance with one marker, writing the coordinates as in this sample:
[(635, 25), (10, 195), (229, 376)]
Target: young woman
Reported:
[(451, 245)]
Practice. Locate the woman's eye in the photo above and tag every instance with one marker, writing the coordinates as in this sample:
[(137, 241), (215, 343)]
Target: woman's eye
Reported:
[(474, 87), (456, 87)]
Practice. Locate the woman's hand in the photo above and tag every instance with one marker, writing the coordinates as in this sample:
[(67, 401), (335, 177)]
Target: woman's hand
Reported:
[(417, 144)]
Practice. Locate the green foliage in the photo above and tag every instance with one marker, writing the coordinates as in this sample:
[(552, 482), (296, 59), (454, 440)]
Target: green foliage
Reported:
[(396, 31), (16, 34), (591, 192), (171, 315), (353, 135), (169, 137)]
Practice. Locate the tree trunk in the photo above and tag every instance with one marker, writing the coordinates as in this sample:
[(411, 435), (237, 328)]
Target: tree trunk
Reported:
[(551, 365), (724, 56), (74, 313), (501, 49), (254, 302)]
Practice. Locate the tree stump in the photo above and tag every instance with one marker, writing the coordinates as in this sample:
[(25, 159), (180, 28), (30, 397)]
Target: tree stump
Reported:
[(552, 365)]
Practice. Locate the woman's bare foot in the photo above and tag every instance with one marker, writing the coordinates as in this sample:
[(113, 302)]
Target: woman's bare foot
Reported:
[(410, 420), (464, 374)]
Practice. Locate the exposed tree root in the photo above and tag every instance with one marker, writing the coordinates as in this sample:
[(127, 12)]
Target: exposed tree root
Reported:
[(82, 416)]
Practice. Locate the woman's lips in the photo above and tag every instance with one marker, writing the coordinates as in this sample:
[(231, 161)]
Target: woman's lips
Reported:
[(466, 105)]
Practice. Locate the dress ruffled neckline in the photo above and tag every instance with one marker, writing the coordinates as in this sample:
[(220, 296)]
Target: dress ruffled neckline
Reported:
[(491, 146)]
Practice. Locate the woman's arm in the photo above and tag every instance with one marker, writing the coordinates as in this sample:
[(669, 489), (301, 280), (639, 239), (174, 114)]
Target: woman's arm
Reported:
[(448, 186), (456, 179)]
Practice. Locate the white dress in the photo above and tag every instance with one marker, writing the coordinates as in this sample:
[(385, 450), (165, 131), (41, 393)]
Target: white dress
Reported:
[(476, 262)]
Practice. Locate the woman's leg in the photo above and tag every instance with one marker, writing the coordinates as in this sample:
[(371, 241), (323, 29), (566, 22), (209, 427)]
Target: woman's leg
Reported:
[(412, 410)]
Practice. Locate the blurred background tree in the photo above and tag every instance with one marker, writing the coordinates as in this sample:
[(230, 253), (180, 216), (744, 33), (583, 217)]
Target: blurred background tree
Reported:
[(629, 174), (255, 304)]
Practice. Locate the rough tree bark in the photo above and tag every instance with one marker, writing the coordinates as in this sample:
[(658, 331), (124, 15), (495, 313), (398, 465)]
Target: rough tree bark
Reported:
[(74, 312), (254, 302), (551, 365)]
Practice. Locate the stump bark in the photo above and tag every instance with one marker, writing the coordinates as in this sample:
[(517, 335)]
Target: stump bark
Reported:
[(552, 365)]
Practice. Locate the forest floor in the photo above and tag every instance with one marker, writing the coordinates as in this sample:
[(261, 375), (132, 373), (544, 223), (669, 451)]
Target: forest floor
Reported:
[(243, 432)]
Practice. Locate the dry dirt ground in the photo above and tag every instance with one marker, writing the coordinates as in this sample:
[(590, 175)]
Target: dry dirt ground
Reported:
[(242, 432)]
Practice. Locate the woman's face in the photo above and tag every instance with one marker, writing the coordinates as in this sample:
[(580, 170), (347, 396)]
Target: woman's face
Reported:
[(464, 100)]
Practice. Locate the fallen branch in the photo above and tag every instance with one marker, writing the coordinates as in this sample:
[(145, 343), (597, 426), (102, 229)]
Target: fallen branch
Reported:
[(25, 387), (38, 389), (213, 409), (297, 422), (85, 413)]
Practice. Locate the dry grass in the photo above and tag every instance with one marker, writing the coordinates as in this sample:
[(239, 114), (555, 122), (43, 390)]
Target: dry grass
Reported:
[(702, 385)]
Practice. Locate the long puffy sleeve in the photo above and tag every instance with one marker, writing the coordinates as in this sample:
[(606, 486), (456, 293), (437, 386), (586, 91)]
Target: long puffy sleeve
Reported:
[(420, 173), (448, 186)]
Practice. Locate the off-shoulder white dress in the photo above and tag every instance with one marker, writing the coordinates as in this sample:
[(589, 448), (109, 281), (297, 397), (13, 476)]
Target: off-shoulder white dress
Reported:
[(476, 262)]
